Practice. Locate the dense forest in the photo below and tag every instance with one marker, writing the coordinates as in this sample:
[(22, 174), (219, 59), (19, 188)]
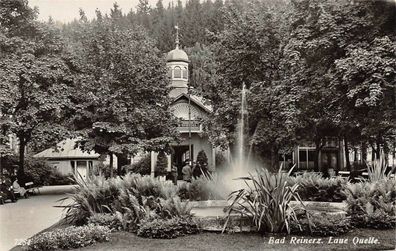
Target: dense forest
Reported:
[(196, 19)]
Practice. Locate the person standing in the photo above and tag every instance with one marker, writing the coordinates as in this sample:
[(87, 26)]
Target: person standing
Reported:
[(187, 171)]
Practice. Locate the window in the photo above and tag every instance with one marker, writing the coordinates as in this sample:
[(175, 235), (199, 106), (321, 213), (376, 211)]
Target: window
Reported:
[(81, 164), (90, 168), (177, 73), (73, 166), (170, 73), (185, 73), (306, 158)]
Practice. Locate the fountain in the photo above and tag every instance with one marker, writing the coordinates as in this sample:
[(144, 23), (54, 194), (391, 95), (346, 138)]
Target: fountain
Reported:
[(240, 165), (212, 213), (228, 180)]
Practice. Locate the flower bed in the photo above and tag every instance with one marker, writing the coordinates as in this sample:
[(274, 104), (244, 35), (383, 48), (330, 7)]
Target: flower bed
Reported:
[(68, 238)]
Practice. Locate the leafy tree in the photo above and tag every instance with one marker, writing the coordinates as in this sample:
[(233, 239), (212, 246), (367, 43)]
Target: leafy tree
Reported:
[(365, 81), (249, 51), (34, 78), (122, 106), (322, 33)]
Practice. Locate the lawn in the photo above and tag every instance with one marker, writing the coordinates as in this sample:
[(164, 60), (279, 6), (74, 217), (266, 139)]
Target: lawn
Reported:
[(245, 241)]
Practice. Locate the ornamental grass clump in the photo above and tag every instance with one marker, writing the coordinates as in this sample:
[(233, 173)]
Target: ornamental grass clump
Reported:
[(377, 170), (266, 201)]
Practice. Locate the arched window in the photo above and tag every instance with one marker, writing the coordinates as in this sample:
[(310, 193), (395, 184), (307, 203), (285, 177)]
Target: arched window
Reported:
[(185, 73), (177, 72), (170, 72)]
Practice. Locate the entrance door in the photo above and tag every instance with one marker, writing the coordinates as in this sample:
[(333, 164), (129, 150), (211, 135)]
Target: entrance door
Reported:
[(82, 169), (180, 156), (329, 159)]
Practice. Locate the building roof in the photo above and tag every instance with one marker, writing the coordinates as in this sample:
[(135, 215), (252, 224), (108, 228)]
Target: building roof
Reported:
[(66, 150), (177, 55), (198, 100)]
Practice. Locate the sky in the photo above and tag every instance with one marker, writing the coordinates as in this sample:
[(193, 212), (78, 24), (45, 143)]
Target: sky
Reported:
[(67, 10)]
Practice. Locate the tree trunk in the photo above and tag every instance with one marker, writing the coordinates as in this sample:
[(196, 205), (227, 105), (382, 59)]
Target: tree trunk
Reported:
[(364, 153), (111, 165), (274, 158), (22, 146), (373, 153), (346, 148), (317, 151)]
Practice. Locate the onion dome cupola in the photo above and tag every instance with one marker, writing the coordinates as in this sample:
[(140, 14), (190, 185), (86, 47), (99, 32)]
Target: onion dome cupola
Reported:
[(177, 63)]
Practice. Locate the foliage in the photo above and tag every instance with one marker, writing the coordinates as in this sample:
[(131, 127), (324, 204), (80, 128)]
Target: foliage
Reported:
[(206, 187), (122, 106), (322, 225), (69, 238), (56, 178), (132, 198), (168, 228), (106, 220), (177, 208), (313, 187), (35, 69), (249, 51), (372, 204), (36, 170), (202, 160), (266, 201), (377, 170), (142, 167), (162, 164)]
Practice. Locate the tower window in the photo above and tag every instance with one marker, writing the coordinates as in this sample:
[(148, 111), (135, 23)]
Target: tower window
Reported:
[(170, 73), (185, 73), (177, 73)]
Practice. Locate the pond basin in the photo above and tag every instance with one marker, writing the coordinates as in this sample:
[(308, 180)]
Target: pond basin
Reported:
[(212, 215)]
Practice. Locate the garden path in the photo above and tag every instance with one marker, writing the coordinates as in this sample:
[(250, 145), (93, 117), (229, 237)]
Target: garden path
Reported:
[(26, 217)]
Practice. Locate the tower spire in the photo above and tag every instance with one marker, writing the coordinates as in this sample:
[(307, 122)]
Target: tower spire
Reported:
[(177, 36)]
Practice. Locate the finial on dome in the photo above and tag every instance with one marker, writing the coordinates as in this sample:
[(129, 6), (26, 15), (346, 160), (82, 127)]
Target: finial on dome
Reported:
[(177, 36)]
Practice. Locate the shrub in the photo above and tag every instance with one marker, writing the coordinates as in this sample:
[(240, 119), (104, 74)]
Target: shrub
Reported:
[(142, 167), (206, 187), (314, 187), (38, 171), (56, 178), (372, 204), (168, 228), (162, 164), (202, 164), (322, 225), (106, 220), (68, 238), (266, 201), (176, 207)]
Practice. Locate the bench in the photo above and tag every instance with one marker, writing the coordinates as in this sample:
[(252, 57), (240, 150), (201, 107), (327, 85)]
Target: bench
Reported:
[(30, 188)]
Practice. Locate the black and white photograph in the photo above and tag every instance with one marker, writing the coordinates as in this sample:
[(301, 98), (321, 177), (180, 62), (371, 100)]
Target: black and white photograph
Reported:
[(189, 125)]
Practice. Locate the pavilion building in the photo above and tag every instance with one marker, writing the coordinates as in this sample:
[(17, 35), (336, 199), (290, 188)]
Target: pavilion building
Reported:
[(191, 110)]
